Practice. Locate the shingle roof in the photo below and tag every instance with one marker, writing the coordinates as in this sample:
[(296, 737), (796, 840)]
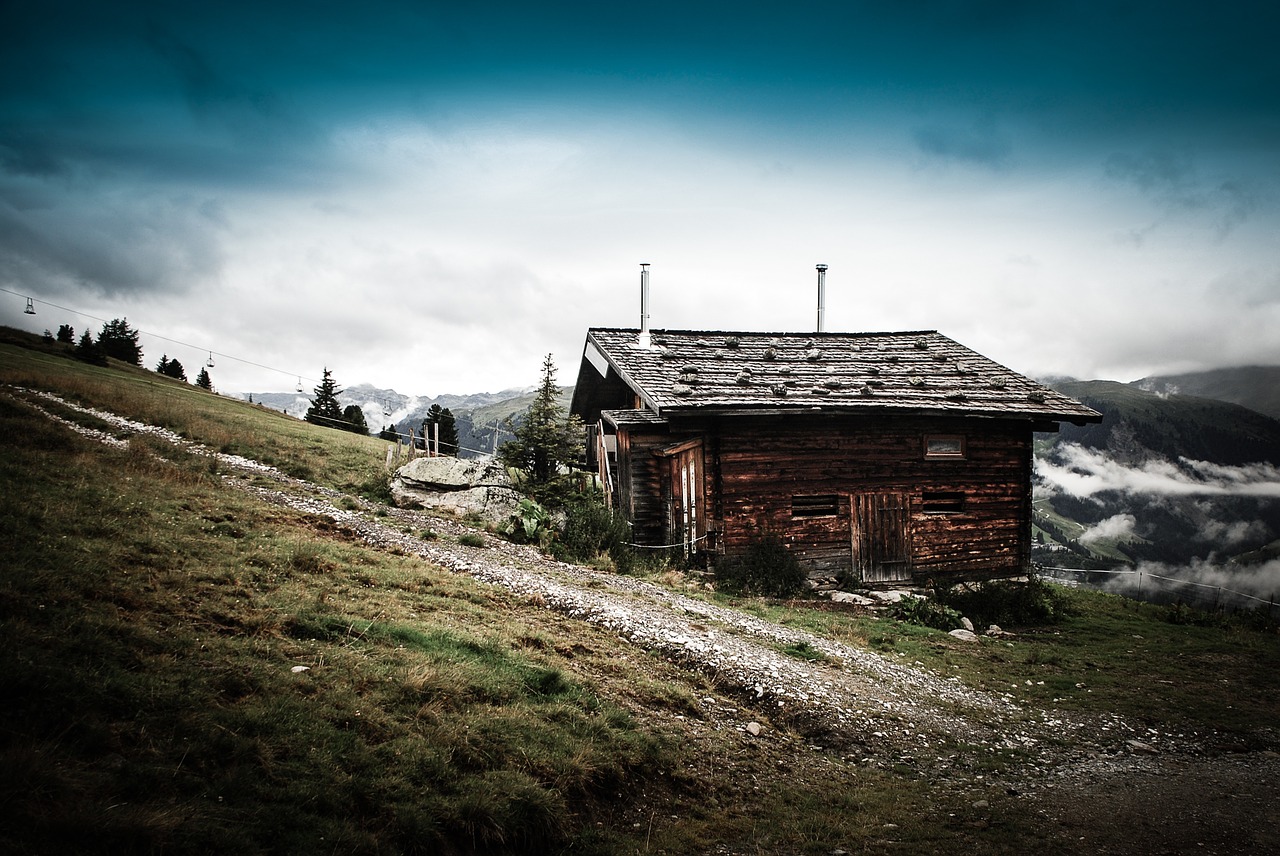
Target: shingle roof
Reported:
[(910, 371)]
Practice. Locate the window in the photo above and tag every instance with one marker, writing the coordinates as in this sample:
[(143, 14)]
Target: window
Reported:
[(942, 501), (819, 505), (943, 446)]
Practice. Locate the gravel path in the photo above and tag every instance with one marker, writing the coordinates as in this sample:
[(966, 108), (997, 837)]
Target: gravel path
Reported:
[(1094, 783), (853, 695)]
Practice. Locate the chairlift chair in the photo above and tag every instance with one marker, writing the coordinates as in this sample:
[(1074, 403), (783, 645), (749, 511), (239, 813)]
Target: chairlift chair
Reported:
[(209, 364), (31, 308)]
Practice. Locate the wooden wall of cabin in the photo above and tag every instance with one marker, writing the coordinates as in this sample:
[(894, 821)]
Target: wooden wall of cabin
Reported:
[(763, 464), (640, 481)]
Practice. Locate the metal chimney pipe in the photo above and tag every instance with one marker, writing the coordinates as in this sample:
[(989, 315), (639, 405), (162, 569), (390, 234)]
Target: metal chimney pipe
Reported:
[(644, 305), (822, 294)]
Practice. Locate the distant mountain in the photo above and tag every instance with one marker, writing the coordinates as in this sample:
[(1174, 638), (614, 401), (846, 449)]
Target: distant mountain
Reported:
[(1164, 477), (1137, 424), (1254, 387), (481, 417)]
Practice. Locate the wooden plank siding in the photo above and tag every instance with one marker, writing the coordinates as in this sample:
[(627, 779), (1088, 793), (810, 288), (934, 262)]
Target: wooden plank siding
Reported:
[(641, 479), (984, 528)]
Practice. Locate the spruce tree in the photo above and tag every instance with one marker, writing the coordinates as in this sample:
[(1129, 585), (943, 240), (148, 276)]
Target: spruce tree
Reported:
[(87, 351), (120, 341), (171, 368), (325, 409), (203, 380), (353, 420), (67, 333), (448, 431), (547, 438)]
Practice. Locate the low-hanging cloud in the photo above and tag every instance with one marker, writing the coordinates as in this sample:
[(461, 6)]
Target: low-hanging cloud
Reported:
[(1084, 472), (1117, 526), (1172, 181), (1202, 581)]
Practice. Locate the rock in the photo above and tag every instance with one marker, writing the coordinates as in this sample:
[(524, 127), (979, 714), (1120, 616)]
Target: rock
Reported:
[(981, 804), (850, 597), (754, 728), (994, 630), (965, 635), (300, 669), (966, 624), (457, 486), (1139, 746), (892, 596)]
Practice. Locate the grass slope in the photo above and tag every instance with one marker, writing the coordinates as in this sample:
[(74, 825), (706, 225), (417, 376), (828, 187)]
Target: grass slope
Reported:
[(1254, 387), (1173, 426), (157, 621)]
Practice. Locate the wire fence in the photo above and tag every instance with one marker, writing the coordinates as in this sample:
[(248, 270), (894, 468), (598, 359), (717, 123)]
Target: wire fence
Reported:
[(1143, 585)]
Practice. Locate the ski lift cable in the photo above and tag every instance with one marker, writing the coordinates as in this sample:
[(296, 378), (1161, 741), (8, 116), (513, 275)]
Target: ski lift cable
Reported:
[(211, 353)]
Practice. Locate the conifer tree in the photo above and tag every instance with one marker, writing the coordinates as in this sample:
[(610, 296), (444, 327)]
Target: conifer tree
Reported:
[(203, 380), (325, 409), (66, 333), (547, 438), (87, 351), (448, 431), (120, 341), (353, 420), (171, 368)]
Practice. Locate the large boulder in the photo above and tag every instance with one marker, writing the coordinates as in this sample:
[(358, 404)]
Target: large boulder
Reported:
[(456, 486)]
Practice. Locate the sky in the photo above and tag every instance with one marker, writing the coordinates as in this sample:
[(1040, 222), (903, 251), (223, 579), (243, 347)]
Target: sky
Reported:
[(432, 196)]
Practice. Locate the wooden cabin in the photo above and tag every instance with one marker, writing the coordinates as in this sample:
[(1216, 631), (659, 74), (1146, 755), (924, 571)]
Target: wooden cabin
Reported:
[(877, 458)]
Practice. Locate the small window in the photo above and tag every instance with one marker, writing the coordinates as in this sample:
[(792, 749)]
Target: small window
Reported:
[(819, 505), (943, 446), (942, 502)]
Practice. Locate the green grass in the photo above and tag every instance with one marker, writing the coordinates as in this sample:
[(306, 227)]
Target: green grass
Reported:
[(154, 617), (1108, 654), (336, 459)]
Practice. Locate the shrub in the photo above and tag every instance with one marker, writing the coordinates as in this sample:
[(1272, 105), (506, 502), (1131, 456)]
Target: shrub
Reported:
[(471, 539), (1009, 602), (767, 568), (592, 529), (926, 613)]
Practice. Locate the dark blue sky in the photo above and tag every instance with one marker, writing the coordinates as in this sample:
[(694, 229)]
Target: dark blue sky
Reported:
[(1084, 188)]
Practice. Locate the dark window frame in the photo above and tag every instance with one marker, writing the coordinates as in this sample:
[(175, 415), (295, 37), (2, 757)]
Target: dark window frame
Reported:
[(815, 505), (959, 453), (943, 502)]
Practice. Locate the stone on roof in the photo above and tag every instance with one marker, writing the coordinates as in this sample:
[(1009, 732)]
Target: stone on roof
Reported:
[(914, 371)]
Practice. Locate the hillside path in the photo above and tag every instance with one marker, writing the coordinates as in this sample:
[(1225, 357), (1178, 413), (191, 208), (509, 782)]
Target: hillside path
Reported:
[(1084, 777)]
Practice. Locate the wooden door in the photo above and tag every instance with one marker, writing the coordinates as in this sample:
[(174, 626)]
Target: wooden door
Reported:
[(880, 535), (686, 503)]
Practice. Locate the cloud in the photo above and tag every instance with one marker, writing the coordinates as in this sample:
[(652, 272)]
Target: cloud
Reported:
[(1172, 181), (1087, 472), (1119, 527), (1200, 581), (980, 144)]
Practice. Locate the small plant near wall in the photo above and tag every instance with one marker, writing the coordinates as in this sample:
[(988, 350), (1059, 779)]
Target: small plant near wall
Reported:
[(926, 613), (766, 569)]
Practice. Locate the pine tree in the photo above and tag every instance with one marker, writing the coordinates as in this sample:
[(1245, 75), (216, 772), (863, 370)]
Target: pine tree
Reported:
[(325, 409), (203, 380), (120, 341), (88, 351), (171, 368), (448, 431), (547, 439), (67, 333), (353, 420)]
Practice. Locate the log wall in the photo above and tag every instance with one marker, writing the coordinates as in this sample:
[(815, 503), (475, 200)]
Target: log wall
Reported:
[(763, 463)]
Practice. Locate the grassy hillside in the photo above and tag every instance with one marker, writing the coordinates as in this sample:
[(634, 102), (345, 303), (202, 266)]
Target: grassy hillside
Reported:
[(1254, 387), (1173, 425), (188, 668)]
